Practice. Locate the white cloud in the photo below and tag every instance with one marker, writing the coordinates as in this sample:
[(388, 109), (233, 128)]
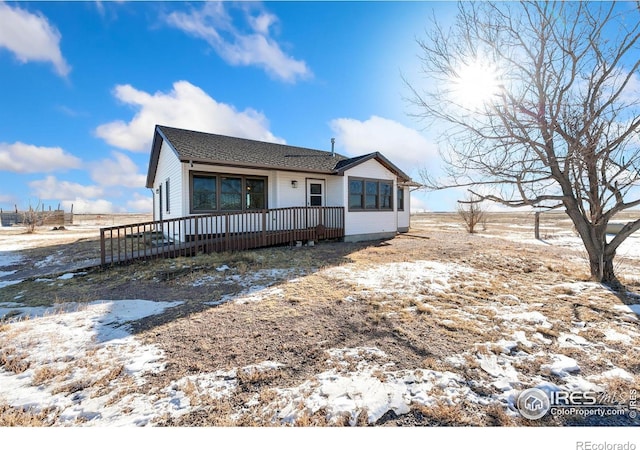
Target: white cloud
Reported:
[(24, 158), (7, 198), (418, 204), (140, 203), (119, 171), (90, 206), (631, 92), (404, 146), (214, 23), (30, 37), (185, 106), (52, 188)]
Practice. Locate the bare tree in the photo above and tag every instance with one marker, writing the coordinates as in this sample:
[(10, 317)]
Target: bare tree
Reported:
[(471, 212), (31, 218), (35, 217), (552, 118)]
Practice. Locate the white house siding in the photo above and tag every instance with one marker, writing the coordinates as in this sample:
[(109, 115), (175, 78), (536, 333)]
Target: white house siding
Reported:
[(364, 225), (335, 191), (169, 167), (287, 195), (404, 217)]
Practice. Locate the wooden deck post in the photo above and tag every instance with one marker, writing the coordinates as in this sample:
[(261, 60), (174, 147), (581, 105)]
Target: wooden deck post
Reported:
[(263, 237), (103, 250), (196, 236), (227, 236)]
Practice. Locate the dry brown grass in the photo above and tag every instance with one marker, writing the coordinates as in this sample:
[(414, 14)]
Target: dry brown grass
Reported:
[(12, 361), (48, 374), (113, 373), (249, 378), (73, 386), (26, 417), (445, 414)]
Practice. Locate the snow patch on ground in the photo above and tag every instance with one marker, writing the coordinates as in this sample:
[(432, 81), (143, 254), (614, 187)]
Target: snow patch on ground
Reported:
[(212, 385), (8, 259), (260, 283), (68, 276), (561, 366), (73, 354), (404, 278), (9, 283), (374, 388)]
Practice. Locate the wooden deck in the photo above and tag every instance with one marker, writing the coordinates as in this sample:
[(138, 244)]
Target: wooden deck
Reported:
[(187, 236)]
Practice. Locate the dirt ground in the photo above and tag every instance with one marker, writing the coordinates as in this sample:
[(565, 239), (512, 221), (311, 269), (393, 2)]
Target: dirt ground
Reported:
[(313, 313)]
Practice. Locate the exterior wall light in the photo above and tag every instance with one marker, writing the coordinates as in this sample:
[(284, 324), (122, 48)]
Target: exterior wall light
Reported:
[(294, 184)]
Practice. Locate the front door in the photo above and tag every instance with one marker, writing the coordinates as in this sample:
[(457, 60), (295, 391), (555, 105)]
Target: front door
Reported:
[(315, 192)]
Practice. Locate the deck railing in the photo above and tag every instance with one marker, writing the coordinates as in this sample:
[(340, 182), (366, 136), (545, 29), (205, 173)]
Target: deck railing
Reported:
[(218, 232)]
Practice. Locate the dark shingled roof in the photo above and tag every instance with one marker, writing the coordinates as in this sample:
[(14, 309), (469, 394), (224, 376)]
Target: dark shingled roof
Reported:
[(222, 150)]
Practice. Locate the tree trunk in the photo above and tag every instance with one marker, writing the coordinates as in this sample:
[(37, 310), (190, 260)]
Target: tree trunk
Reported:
[(602, 271), (600, 255)]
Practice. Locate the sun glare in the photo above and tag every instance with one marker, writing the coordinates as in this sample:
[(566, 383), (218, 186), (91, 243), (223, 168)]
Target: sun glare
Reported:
[(475, 85)]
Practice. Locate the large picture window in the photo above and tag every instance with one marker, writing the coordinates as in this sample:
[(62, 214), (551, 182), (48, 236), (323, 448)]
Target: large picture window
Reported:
[(219, 192), (373, 195)]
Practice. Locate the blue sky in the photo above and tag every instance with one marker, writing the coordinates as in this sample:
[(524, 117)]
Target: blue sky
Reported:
[(85, 82)]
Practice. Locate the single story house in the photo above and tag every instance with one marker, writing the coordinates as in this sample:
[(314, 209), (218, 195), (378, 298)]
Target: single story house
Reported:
[(193, 173)]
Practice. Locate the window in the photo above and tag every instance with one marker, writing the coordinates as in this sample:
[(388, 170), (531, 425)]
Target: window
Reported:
[(400, 199), (386, 195), (205, 193), (219, 192), (372, 195), (167, 197), (230, 194), (315, 194), (256, 193), (356, 194)]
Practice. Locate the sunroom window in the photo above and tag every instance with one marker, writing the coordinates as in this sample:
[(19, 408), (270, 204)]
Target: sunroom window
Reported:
[(368, 194)]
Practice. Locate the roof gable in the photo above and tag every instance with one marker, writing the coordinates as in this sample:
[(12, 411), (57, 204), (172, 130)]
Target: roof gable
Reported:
[(347, 164)]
